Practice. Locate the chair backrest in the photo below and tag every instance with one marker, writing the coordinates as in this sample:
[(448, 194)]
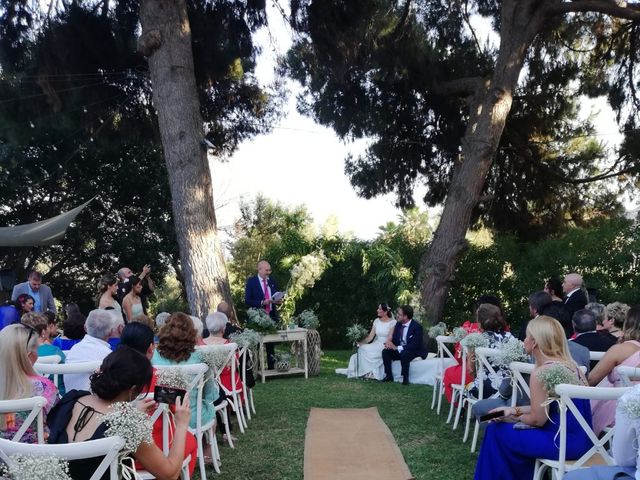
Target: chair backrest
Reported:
[(628, 375), (230, 361), (596, 356), (34, 406), (57, 369), (108, 447), (197, 373), (567, 395), (518, 370), (444, 351), (50, 359), (484, 369)]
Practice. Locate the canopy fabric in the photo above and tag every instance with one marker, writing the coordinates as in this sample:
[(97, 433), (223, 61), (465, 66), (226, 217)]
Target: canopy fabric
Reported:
[(46, 232)]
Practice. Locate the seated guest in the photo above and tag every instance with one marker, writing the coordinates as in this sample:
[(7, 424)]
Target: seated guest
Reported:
[(584, 324), (405, 344), (72, 328), (604, 375), (39, 322), (118, 325), (161, 319), (232, 325), (100, 326), (598, 310), (24, 303), (9, 314), (616, 313), (139, 336), (18, 379), (557, 308), (511, 453), (124, 375), (624, 449), (199, 326), (177, 346), (142, 318), (216, 323)]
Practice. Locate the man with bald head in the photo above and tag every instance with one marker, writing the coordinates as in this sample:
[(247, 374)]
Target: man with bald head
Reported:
[(575, 298), (258, 293)]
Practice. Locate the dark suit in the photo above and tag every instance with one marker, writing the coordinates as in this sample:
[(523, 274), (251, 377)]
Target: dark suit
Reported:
[(253, 297), (577, 301), (596, 342), (411, 349)]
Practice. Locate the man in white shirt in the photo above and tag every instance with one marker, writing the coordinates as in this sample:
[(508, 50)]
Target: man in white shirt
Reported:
[(575, 298), (100, 326)]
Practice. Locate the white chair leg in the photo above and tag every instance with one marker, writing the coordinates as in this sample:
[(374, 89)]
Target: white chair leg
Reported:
[(234, 405), (436, 383), (203, 471), (459, 410), (467, 424), (241, 410), (451, 407), (476, 431), (440, 395), (247, 409), (253, 408), (213, 447)]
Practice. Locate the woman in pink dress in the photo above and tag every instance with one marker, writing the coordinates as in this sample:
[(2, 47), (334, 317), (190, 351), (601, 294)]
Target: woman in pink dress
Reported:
[(18, 352), (627, 353)]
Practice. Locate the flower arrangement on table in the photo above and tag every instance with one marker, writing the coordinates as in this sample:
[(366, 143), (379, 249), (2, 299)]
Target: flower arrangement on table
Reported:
[(27, 467), (247, 338), (437, 330), (260, 321), (355, 333), (308, 319)]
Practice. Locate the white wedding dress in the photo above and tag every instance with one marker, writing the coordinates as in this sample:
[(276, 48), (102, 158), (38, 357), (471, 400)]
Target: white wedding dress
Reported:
[(367, 361)]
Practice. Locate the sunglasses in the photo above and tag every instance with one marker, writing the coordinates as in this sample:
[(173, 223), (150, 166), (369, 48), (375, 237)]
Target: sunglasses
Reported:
[(32, 331)]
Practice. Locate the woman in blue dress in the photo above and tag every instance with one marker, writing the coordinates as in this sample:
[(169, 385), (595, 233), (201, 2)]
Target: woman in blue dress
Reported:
[(509, 451)]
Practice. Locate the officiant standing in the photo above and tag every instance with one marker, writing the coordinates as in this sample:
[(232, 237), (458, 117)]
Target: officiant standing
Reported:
[(258, 293)]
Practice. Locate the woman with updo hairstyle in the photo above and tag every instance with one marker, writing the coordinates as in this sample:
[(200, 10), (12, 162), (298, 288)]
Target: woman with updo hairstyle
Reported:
[(18, 352), (107, 291), (615, 314), (367, 361), (177, 346), (25, 303), (123, 376)]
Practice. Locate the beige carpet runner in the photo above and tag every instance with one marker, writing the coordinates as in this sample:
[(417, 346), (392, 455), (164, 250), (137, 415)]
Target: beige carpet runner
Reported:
[(353, 444)]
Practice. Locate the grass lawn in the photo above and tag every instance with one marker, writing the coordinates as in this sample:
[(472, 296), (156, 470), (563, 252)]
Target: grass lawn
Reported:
[(273, 445)]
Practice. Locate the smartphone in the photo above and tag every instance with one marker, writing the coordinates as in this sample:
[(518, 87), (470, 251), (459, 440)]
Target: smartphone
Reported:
[(489, 416), (162, 394)]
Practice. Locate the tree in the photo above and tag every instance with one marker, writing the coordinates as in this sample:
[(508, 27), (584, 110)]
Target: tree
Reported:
[(75, 122), (414, 77)]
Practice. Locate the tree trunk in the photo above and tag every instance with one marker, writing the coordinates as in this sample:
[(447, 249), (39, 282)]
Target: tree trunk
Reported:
[(489, 109), (166, 41)]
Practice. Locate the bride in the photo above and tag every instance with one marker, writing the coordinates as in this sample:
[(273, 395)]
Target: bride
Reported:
[(367, 361)]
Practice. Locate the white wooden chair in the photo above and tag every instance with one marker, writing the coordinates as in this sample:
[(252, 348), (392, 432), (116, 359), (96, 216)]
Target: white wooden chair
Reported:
[(520, 384), (629, 376), (458, 392), (105, 447), (197, 373), (597, 454), (163, 411), (50, 359), (34, 406), (484, 370), (245, 355), (596, 356), (231, 361), (57, 369), (444, 352)]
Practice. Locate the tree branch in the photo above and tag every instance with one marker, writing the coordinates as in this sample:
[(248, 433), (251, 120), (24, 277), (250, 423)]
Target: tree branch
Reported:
[(459, 86), (621, 9), (604, 176)]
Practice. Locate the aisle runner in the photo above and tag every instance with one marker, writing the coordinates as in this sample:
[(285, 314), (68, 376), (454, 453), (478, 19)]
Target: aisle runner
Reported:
[(351, 444)]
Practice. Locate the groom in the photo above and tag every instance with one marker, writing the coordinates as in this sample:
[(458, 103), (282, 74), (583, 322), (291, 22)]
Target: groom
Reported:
[(405, 344)]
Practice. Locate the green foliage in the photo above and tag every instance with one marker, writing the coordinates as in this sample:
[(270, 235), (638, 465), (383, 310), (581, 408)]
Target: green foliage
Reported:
[(169, 297)]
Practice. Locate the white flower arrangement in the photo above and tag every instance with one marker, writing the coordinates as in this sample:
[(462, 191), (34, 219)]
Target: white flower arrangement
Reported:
[(174, 378), (260, 321), (308, 319), (459, 333), (27, 467), (355, 333), (129, 423), (511, 350), (215, 356), (475, 340), (304, 274), (554, 375), (246, 338), (437, 330), (629, 404)]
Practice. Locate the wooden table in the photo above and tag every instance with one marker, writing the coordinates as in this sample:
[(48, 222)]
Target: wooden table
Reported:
[(293, 335)]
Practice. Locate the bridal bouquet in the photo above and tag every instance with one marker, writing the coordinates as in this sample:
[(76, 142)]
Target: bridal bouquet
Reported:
[(129, 423), (246, 338), (260, 321), (26, 467), (553, 376), (437, 330), (356, 332)]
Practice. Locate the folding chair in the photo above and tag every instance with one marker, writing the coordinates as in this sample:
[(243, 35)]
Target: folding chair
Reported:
[(105, 447), (629, 376), (50, 359), (34, 406), (596, 356), (520, 384), (197, 373), (248, 392), (484, 370), (438, 385), (597, 454), (458, 391), (56, 370)]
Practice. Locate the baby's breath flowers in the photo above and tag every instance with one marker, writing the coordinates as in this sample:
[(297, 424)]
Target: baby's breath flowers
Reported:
[(215, 357), (459, 333), (129, 423), (554, 375), (260, 321), (174, 378), (246, 338), (511, 350), (437, 330), (27, 467), (629, 404), (475, 340), (356, 332), (308, 319)]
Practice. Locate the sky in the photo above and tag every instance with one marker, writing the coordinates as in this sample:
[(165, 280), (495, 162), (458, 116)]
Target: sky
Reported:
[(302, 162)]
